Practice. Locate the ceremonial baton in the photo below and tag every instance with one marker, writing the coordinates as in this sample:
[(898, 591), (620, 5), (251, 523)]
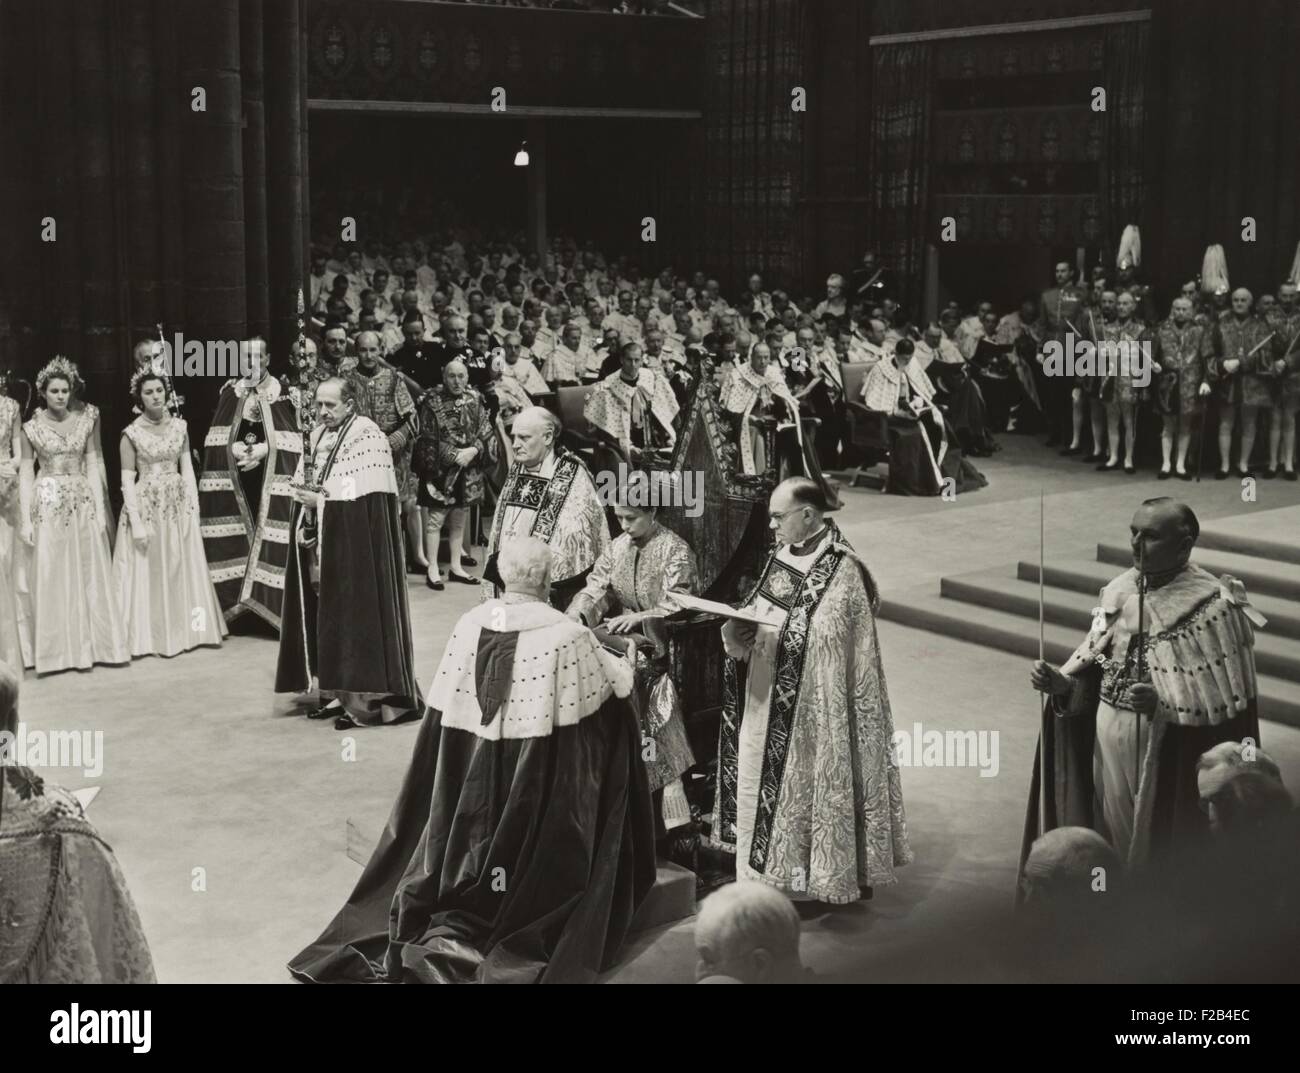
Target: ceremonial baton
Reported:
[(1253, 350), (1137, 725), (1040, 573)]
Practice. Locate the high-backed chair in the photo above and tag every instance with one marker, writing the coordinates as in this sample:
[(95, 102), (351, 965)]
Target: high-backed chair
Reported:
[(868, 430)]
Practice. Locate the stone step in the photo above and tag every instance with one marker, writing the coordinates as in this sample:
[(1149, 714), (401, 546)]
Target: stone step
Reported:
[(1279, 700), (1263, 576), (1269, 534), (1089, 577), (672, 898), (1275, 654)]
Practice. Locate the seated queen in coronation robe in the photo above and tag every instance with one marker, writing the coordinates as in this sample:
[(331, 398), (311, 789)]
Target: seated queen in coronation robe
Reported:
[(625, 601)]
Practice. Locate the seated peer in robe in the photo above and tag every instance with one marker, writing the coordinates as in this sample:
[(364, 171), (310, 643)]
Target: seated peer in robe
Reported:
[(756, 396), (521, 841), (626, 600), (958, 395), (567, 363), (633, 408), (511, 398), (66, 916), (923, 450), (521, 368)]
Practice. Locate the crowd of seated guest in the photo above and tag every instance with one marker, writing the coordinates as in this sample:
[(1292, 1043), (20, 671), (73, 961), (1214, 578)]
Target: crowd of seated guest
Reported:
[(533, 325), (613, 7)]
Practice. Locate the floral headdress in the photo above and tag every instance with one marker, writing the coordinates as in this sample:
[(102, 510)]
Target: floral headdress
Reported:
[(59, 368), (154, 370), (157, 367)]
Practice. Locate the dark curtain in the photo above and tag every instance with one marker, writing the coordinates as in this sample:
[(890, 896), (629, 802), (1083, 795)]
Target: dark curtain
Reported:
[(1126, 69), (751, 219), (164, 214), (901, 103), (1224, 135)]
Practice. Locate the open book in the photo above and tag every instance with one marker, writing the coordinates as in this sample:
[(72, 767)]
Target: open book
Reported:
[(696, 603)]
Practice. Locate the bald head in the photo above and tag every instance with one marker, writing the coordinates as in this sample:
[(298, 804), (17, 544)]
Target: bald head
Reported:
[(1162, 534)]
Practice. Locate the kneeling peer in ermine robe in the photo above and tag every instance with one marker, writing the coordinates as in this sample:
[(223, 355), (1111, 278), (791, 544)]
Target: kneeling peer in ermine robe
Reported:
[(809, 794), (346, 623), (521, 842), (1090, 771)]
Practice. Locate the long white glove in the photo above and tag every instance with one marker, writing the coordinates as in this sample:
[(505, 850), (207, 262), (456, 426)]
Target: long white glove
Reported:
[(191, 485), (131, 505), (26, 499), (98, 478)]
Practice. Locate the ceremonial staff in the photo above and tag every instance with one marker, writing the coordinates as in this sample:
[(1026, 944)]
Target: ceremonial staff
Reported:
[(1040, 573), (306, 420), (1141, 662)]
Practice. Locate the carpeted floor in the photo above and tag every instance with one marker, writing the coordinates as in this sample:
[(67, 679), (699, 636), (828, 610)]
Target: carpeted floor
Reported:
[(230, 815)]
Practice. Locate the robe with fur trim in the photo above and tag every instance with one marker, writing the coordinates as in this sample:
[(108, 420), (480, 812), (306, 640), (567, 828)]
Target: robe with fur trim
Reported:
[(1200, 655), (616, 407), (354, 634), (521, 842)]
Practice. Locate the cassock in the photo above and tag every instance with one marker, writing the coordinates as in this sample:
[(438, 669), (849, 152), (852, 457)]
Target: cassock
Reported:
[(521, 842), (245, 517), (557, 503), (809, 794), (346, 623), (1141, 794), (639, 414)]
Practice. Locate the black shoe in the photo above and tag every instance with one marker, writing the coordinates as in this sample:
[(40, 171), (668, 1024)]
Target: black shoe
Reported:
[(468, 560), (1069, 452), (1092, 456), (464, 579), (437, 586), (1130, 470), (325, 711), (1243, 473), (1291, 475), (1184, 476), (1163, 475), (345, 722), (1108, 467), (1270, 473), (1221, 475)]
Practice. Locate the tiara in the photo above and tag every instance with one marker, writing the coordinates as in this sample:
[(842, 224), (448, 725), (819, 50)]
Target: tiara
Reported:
[(61, 368), (155, 369)]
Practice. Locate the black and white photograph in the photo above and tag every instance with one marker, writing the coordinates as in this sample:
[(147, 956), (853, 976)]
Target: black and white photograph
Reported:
[(650, 492)]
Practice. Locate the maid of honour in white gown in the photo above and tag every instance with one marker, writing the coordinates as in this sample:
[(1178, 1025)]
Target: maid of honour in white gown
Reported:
[(70, 615), (161, 574)]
